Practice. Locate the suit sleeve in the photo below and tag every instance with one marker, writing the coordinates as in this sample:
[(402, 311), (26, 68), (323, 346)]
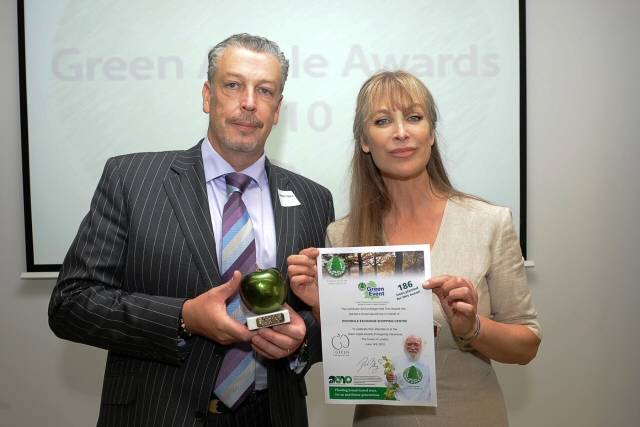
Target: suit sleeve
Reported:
[(90, 303)]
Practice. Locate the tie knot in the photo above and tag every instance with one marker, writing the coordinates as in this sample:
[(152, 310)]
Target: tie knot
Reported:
[(237, 182)]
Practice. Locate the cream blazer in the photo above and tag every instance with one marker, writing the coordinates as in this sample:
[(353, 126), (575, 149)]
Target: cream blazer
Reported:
[(476, 240)]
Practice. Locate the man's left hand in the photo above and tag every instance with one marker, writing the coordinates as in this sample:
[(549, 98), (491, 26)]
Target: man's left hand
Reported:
[(282, 340)]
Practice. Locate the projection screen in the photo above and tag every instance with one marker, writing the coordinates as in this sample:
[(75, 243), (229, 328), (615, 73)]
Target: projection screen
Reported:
[(104, 78)]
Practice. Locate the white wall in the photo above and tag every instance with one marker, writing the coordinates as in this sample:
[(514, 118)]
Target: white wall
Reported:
[(584, 204), (45, 381), (584, 207)]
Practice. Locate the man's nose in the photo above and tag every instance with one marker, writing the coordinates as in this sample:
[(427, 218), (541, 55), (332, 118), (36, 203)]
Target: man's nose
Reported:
[(248, 101)]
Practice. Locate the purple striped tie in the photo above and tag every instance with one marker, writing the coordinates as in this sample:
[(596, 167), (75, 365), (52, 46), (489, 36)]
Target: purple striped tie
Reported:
[(236, 378)]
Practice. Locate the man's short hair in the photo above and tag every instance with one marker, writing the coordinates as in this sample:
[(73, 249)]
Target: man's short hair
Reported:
[(254, 43)]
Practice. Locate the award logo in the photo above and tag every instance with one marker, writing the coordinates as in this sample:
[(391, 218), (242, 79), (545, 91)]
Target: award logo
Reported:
[(336, 266), (412, 375), (340, 379), (263, 293), (340, 343)]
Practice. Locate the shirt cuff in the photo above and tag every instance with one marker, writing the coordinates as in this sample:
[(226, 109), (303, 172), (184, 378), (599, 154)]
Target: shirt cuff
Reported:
[(299, 360)]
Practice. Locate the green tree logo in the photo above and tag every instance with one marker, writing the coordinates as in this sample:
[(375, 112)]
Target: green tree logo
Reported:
[(412, 375), (336, 266)]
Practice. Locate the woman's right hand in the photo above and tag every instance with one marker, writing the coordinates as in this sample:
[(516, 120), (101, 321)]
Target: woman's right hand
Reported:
[(304, 278)]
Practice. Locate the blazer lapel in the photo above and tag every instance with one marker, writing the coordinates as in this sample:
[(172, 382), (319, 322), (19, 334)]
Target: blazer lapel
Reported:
[(285, 217), (187, 192)]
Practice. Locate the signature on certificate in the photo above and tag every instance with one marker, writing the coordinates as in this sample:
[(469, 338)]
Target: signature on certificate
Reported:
[(368, 364)]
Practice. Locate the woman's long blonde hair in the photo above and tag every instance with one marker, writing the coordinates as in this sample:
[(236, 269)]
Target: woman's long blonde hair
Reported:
[(370, 199)]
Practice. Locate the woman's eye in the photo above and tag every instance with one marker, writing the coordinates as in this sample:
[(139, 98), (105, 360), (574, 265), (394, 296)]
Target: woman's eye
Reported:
[(381, 122), (415, 117)]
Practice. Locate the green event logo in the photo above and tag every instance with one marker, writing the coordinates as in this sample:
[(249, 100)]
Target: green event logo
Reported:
[(371, 290), (336, 266), (412, 375)]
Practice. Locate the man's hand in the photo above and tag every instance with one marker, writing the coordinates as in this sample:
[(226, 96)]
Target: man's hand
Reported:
[(282, 340), (391, 377), (207, 315)]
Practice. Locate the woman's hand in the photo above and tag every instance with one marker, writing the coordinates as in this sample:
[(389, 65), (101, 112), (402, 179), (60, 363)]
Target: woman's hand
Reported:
[(502, 342), (304, 278), (459, 301)]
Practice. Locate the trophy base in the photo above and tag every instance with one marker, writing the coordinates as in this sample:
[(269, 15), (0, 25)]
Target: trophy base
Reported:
[(267, 320)]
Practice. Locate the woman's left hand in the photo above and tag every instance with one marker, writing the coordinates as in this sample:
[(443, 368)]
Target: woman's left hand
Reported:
[(459, 301)]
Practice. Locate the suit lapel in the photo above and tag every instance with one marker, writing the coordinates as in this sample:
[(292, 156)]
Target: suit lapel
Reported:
[(186, 189), (285, 218)]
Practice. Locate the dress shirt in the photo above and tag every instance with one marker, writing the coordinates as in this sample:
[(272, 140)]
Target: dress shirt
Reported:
[(257, 199)]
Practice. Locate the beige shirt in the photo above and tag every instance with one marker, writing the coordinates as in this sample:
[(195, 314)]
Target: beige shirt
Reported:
[(476, 240)]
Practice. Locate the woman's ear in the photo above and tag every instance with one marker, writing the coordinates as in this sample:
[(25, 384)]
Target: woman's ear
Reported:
[(432, 135)]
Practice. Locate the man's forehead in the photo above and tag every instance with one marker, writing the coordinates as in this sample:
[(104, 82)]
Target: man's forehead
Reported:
[(245, 62)]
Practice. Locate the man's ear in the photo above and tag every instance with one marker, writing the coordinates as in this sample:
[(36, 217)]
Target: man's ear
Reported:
[(276, 115), (206, 97)]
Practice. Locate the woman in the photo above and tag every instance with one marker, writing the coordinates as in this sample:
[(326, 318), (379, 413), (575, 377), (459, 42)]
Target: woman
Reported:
[(401, 194)]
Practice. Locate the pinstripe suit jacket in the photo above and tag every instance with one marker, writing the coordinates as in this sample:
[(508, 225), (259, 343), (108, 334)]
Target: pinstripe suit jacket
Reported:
[(144, 247)]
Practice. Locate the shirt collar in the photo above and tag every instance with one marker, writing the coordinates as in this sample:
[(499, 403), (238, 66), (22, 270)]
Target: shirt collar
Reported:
[(215, 166)]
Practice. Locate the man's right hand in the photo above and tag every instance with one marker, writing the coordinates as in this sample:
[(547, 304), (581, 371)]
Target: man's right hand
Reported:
[(207, 315)]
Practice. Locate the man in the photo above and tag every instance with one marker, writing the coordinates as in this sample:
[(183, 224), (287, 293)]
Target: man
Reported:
[(410, 374), (156, 262)]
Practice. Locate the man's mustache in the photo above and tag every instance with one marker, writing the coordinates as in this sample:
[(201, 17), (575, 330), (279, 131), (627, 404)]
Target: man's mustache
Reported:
[(246, 120)]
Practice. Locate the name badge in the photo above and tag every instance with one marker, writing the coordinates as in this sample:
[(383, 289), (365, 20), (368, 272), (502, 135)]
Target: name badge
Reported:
[(288, 199)]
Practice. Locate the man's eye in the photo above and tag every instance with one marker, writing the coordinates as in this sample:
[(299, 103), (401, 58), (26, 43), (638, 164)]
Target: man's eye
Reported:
[(265, 91), (232, 85)]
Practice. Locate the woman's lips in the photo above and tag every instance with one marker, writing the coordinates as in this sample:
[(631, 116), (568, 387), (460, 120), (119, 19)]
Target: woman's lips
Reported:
[(403, 152)]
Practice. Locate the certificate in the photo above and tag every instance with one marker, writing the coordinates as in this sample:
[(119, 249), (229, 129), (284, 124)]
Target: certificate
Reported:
[(377, 325)]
